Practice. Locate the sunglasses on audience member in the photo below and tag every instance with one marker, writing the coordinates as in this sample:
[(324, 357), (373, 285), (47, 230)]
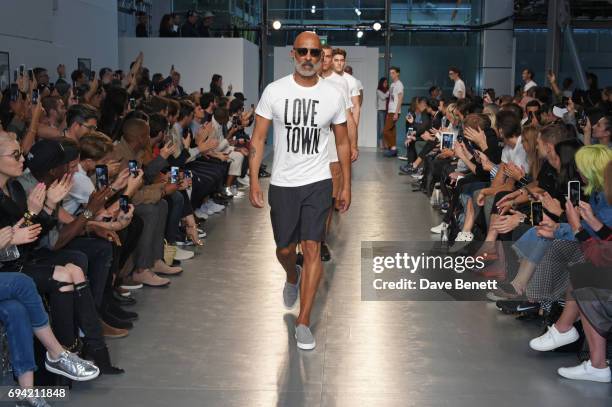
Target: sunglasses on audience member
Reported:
[(314, 52), (15, 154)]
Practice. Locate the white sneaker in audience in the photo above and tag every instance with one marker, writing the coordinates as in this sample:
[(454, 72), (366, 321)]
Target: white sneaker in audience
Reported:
[(402, 157), (236, 193), (244, 181), (227, 191), (438, 229), (215, 207), (464, 237), (586, 371), (201, 213), (553, 339), (183, 254), (201, 233)]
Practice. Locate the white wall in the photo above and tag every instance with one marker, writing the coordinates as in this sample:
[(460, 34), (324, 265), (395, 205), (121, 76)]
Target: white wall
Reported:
[(197, 59), (37, 35), (364, 61)]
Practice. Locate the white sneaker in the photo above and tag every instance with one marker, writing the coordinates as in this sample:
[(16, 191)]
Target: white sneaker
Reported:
[(586, 371), (215, 207), (238, 194), (402, 157), (183, 254), (244, 181), (464, 237), (200, 213), (438, 229), (553, 339)]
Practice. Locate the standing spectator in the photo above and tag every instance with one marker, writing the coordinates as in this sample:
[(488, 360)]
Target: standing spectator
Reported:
[(205, 25), (528, 76), (189, 28), (141, 29), (435, 92), (382, 98), (167, 28), (459, 89), (216, 86)]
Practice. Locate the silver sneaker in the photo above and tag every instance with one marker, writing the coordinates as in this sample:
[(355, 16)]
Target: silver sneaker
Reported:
[(305, 339), (32, 402), (290, 291), (72, 367)]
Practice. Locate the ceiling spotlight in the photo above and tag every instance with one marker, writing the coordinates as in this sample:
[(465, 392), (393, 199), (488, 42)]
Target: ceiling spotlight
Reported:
[(357, 11), (276, 25), (377, 26), (313, 9), (359, 34)]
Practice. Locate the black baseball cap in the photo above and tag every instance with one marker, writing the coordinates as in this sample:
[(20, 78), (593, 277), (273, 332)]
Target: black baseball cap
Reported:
[(240, 95), (48, 154)]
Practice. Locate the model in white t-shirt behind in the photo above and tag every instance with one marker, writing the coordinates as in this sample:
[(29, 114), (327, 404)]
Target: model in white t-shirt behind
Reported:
[(339, 62), (303, 110)]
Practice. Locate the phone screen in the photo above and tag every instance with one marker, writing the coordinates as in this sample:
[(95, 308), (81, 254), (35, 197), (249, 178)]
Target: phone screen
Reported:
[(133, 167), (537, 213), (101, 176), (447, 140), (124, 203), (174, 175), (132, 103), (35, 96), (573, 192)]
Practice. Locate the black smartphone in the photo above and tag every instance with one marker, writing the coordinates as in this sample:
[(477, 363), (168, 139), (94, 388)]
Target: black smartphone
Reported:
[(31, 74), (201, 91), (460, 138), (582, 119), (447, 140), (15, 75), (133, 167), (35, 97), (252, 106), (21, 70), (132, 103), (101, 176), (537, 213), (14, 92), (188, 174), (51, 87), (92, 75), (124, 203), (174, 175), (573, 192)]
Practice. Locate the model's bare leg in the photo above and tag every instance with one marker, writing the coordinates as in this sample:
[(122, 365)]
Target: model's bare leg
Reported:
[(311, 275), (287, 256)]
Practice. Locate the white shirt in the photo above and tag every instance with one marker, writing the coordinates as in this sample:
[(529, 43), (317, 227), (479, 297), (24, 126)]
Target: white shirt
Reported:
[(395, 89), (342, 86), (359, 85), (302, 118), (381, 99), (459, 89), (516, 155), (529, 85), (78, 196), (353, 84)]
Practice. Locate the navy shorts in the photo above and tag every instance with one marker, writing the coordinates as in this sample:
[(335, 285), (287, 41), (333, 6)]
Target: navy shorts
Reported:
[(299, 213)]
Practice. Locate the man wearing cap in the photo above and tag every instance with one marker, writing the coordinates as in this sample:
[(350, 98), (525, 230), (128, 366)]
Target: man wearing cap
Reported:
[(189, 28), (205, 25)]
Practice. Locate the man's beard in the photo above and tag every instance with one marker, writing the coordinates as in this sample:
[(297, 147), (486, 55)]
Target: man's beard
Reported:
[(314, 68)]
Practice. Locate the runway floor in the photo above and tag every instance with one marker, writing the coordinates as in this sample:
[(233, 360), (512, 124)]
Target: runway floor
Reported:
[(220, 336)]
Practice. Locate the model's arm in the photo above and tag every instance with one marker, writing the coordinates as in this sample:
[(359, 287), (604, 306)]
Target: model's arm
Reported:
[(352, 135), (256, 153), (344, 155), (356, 109)]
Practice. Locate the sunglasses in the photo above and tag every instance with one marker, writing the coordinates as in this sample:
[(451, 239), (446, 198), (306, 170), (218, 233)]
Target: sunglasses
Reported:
[(15, 154), (314, 52)]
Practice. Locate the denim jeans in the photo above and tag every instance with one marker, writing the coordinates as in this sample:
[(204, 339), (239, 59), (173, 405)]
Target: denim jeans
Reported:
[(533, 248), (21, 310)]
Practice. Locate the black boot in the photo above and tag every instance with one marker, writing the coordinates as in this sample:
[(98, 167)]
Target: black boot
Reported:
[(101, 358), (115, 310)]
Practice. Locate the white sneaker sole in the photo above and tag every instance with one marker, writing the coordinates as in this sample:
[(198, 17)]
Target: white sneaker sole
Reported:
[(76, 378), (584, 378), (305, 346), (131, 287), (185, 257)]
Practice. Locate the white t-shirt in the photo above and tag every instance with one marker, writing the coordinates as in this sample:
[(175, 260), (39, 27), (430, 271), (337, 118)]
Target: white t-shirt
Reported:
[(302, 119), (395, 89), (459, 89), (516, 155), (78, 196), (529, 85), (359, 84), (342, 86), (353, 84)]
